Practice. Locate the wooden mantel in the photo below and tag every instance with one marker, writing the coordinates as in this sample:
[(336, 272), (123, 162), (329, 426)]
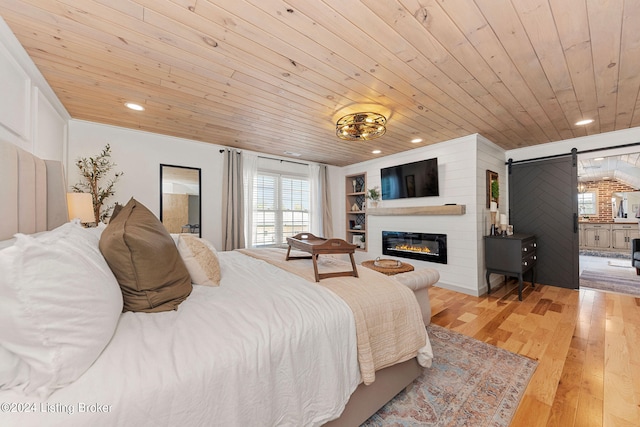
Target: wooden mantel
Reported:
[(420, 210)]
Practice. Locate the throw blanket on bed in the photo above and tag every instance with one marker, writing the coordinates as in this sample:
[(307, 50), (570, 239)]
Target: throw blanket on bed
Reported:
[(389, 326)]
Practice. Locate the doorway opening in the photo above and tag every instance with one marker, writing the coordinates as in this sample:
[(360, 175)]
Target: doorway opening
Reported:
[(609, 211)]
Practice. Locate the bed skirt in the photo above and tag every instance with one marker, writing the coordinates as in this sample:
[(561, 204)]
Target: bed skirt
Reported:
[(368, 399)]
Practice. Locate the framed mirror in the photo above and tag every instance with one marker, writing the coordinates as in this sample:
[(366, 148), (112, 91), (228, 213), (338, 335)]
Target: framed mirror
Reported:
[(493, 188), (180, 207), (625, 205)]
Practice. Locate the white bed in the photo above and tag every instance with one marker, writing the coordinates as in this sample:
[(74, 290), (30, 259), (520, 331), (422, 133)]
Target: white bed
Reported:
[(264, 348)]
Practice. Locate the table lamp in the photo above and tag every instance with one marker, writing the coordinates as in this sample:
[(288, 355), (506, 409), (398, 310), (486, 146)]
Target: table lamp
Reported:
[(80, 205)]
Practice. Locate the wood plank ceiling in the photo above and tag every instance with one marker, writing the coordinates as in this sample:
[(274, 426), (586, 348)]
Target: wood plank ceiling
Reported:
[(273, 76)]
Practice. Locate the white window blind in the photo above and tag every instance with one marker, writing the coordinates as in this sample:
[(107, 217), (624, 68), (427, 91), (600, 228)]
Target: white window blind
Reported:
[(281, 208)]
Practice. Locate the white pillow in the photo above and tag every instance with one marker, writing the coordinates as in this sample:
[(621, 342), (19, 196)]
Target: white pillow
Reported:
[(59, 306), (201, 259)]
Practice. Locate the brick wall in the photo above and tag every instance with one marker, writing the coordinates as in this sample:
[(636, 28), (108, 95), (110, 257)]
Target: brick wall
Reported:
[(604, 190)]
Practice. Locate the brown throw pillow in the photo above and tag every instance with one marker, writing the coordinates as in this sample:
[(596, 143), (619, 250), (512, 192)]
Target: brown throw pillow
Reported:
[(145, 260), (116, 210)]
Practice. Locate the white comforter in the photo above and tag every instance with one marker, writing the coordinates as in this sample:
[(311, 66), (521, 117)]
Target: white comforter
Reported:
[(265, 348)]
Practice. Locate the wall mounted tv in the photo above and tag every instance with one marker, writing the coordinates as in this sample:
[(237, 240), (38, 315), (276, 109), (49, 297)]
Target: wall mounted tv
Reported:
[(417, 179)]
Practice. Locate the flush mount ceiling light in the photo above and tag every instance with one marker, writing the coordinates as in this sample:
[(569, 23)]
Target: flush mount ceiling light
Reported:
[(132, 106), (361, 126), (584, 122), (291, 153)]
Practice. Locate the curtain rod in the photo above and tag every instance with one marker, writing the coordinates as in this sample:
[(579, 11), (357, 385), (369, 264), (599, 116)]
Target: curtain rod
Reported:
[(271, 158), (592, 150), (283, 160)]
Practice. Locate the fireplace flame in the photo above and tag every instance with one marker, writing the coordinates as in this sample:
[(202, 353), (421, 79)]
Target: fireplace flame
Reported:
[(411, 248)]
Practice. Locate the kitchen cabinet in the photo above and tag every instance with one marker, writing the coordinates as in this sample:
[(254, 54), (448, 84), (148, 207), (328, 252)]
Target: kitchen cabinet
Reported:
[(622, 234), (597, 236)]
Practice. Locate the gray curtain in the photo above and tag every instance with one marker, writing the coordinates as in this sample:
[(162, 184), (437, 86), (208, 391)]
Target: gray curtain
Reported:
[(327, 221), (232, 201)]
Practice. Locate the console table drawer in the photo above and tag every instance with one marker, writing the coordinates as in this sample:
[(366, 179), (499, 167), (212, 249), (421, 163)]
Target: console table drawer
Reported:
[(528, 246), (528, 262)]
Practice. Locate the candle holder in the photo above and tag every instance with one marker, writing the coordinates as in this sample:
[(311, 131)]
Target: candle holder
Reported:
[(503, 228), (494, 231)]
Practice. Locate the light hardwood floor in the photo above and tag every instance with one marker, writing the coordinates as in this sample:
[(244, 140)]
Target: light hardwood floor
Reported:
[(586, 342)]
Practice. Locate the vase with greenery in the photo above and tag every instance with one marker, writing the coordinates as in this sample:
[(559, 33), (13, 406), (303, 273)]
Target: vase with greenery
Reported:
[(373, 194), (495, 190), (94, 172)]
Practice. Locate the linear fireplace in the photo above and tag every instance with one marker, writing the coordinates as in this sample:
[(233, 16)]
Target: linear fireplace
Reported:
[(420, 246)]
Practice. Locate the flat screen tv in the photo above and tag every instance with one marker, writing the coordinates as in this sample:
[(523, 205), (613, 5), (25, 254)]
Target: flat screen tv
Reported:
[(417, 179)]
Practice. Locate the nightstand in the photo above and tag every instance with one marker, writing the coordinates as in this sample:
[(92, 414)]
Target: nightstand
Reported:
[(511, 256)]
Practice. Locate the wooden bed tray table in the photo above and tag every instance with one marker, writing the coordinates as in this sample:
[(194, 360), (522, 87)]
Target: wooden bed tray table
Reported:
[(315, 246)]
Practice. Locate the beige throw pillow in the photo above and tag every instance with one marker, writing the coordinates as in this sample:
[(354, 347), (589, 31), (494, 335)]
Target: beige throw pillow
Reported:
[(201, 260), (145, 260)]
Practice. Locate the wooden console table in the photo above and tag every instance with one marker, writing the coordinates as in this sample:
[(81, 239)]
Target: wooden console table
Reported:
[(511, 256), (315, 246)]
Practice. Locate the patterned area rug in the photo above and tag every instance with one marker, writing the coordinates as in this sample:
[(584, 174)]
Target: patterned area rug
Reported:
[(471, 383), (606, 254), (624, 281)]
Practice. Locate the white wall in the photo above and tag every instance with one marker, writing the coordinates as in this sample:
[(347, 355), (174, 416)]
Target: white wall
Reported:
[(489, 157), (585, 143), (31, 116), (139, 155), (462, 165)]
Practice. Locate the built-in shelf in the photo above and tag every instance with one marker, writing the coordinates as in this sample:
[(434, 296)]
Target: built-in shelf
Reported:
[(355, 192), (420, 210)]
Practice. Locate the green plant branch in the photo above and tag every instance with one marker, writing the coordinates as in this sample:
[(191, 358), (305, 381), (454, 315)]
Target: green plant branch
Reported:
[(373, 193), (93, 170), (495, 189)]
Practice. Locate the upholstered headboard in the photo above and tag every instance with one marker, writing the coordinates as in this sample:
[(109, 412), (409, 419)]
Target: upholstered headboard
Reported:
[(32, 192)]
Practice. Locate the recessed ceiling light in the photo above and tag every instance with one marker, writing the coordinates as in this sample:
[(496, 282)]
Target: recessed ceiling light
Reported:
[(598, 158), (133, 106), (291, 153), (376, 152), (584, 122), (416, 140)]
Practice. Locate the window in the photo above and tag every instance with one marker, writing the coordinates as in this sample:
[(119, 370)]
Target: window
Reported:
[(587, 204), (281, 208)]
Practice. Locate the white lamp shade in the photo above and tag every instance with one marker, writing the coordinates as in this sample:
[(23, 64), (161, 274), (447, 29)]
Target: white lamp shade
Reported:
[(494, 207), (80, 206)]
